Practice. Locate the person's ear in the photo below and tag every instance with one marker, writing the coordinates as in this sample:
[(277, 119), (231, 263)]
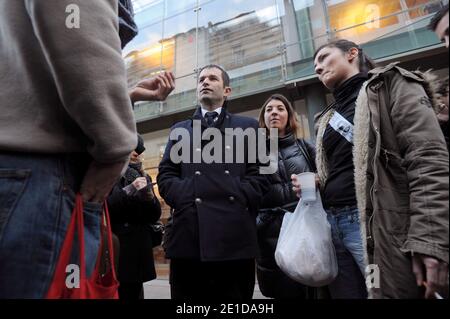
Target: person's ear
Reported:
[(352, 54), (227, 91)]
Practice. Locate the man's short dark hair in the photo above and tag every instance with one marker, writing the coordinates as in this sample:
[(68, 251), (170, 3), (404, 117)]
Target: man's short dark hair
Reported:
[(437, 17), (225, 76)]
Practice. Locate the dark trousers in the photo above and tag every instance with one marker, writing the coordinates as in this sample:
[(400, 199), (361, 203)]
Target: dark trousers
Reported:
[(131, 291), (196, 280)]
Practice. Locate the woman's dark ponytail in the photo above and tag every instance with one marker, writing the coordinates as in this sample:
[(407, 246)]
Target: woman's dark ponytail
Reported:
[(365, 63)]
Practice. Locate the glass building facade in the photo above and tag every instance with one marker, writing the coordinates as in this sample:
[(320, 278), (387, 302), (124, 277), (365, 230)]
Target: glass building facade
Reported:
[(263, 44)]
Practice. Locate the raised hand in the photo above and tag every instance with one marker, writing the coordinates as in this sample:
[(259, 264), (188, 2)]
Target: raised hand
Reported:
[(156, 88), (140, 183)]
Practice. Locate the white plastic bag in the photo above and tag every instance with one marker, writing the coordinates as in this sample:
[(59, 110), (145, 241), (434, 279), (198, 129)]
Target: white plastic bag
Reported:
[(305, 251)]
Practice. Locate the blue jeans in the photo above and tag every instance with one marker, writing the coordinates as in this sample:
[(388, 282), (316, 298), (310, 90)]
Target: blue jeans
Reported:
[(37, 195), (345, 230)]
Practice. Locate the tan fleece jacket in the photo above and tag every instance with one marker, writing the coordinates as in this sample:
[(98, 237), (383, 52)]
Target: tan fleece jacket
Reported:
[(63, 89)]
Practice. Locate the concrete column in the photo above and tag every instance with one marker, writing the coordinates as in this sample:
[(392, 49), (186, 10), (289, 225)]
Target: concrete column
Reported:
[(315, 98)]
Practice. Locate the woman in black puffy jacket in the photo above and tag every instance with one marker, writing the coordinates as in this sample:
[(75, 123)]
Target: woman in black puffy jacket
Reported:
[(294, 156), (134, 209)]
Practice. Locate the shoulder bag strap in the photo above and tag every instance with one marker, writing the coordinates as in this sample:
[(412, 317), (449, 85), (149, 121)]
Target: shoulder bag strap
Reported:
[(304, 150)]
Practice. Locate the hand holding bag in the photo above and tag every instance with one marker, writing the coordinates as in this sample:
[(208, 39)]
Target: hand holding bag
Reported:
[(305, 251), (99, 286)]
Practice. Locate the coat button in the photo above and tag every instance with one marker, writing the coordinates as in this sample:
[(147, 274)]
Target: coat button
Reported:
[(227, 172), (198, 149), (228, 147), (198, 200), (198, 173), (231, 198)]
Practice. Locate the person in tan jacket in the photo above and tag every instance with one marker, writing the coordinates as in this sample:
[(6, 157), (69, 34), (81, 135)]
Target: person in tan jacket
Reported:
[(401, 176)]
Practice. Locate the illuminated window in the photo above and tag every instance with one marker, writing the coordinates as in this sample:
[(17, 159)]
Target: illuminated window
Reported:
[(345, 14)]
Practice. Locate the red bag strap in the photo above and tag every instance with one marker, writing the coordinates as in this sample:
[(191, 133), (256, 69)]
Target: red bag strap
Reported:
[(79, 204), (109, 242)]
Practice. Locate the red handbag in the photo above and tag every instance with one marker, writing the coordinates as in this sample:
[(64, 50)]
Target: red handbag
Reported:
[(99, 286)]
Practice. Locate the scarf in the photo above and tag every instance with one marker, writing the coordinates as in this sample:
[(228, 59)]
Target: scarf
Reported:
[(127, 27)]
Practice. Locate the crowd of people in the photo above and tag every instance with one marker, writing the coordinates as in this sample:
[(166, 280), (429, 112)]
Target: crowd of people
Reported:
[(67, 127)]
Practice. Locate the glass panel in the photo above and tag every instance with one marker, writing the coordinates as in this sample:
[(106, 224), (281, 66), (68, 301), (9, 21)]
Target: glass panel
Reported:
[(180, 32), (297, 68), (404, 39), (168, 54), (148, 17), (180, 36), (303, 26), (181, 99), (419, 8), (140, 5), (245, 39), (184, 96), (302, 117), (143, 55), (168, 45), (149, 13), (174, 7), (146, 110), (304, 29)]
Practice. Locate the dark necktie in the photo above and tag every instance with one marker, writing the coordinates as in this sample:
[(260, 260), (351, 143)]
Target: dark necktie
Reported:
[(210, 117)]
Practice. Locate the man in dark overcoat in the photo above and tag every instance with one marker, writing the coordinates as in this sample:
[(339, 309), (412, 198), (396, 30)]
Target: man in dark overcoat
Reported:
[(214, 191)]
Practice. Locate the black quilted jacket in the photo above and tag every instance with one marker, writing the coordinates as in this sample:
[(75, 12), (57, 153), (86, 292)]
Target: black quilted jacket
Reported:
[(279, 199)]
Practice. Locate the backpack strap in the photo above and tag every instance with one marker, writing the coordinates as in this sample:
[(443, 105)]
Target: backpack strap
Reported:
[(302, 146)]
